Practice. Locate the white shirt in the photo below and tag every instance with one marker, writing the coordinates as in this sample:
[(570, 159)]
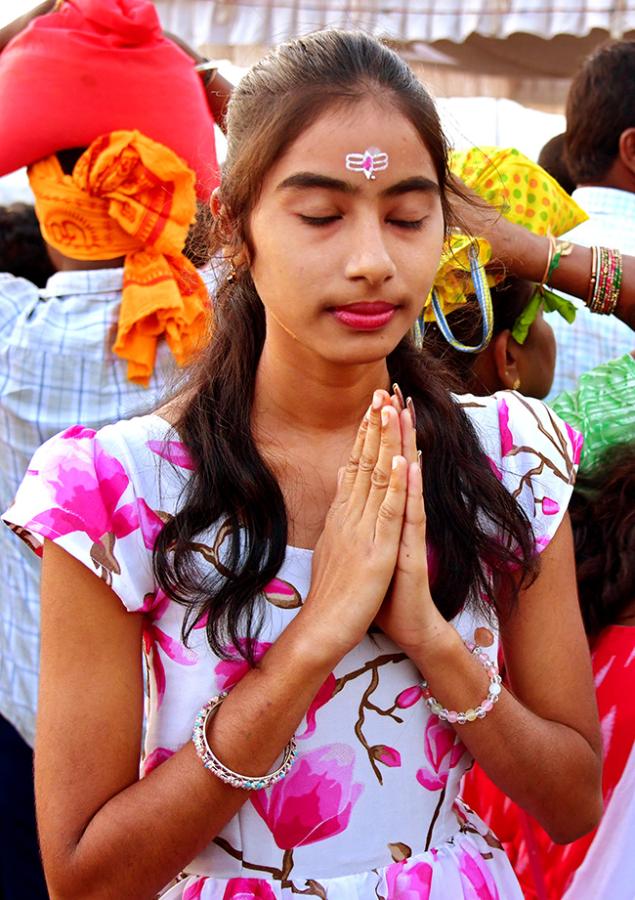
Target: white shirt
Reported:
[(56, 369), (593, 339)]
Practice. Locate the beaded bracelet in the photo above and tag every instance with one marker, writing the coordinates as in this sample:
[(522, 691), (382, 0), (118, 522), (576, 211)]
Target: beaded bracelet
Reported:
[(480, 711), (216, 767)]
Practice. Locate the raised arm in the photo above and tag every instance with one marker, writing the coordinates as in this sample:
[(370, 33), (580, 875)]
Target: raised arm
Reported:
[(14, 28), (218, 89), (524, 254)]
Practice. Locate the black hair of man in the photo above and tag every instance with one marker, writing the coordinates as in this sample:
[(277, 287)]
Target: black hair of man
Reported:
[(600, 108)]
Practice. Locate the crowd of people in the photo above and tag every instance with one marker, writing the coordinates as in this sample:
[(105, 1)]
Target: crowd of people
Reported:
[(317, 472)]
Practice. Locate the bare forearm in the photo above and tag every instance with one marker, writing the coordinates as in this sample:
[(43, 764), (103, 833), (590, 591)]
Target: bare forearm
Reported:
[(218, 92), (525, 255), (545, 766), (186, 805)]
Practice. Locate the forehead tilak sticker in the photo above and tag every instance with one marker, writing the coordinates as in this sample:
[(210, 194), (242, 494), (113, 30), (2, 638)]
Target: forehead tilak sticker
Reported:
[(370, 161)]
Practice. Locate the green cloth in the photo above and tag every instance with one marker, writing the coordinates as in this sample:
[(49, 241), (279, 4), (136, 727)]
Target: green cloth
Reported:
[(602, 408), (551, 302)]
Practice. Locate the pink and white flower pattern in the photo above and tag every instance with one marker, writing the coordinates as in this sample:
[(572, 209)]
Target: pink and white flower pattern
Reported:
[(328, 827)]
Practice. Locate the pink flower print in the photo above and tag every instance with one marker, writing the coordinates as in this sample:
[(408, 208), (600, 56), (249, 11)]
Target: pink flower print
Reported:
[(78, 431), (282, 594), (154, 639), (155, 605), (248, 889), (323, 696), (174, 452), (386, 755), (149, 522), (409, 697), (408, 881), (230, 671), (87, 485), (507, 441), (314, 801), (550, 507), (153, 760), (577, 441), (443, 752), (497, 472), (194, 891), (476, 879)]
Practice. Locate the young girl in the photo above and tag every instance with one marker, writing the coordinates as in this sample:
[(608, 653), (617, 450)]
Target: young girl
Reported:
[(272, 552)]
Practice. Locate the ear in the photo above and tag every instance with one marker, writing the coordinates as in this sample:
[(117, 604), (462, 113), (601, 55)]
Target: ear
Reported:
[(505, 357), (627, 149), (237, 252), (215, 204)]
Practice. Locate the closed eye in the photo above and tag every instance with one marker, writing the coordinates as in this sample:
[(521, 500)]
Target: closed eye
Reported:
[(413, 224), (318, 221)]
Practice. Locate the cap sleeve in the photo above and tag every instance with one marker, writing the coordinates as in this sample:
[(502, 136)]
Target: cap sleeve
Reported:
[(78, 494), (536, 458)]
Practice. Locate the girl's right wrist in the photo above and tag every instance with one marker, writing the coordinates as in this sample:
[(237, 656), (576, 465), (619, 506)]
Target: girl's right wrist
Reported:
[(314, 642)]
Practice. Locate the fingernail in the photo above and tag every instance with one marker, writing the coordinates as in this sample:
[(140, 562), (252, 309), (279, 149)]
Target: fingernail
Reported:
[(385, 417), (377, 400), (397, 392), (395, 462), (411, 410)]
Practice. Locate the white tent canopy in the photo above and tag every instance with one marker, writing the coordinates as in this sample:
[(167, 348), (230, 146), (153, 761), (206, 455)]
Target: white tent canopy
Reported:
[(265, 22), (521, 49)]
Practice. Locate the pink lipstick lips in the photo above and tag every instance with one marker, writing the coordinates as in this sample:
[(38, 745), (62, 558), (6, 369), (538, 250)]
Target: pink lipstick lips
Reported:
[(365, 316)]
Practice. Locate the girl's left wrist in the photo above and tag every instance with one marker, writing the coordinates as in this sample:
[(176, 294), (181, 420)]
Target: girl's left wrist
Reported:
[(435, 643)]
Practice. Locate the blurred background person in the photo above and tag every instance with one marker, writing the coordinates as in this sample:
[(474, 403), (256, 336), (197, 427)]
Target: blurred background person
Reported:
[(600, 157), (22, 249), (119, 141), (601, 864)]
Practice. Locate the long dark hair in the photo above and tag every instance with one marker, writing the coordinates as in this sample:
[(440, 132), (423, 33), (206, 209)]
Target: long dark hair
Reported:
[(483, 541), (603, 519)]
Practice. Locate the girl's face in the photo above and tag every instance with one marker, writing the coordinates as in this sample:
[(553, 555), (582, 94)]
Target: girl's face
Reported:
[(341, 262)]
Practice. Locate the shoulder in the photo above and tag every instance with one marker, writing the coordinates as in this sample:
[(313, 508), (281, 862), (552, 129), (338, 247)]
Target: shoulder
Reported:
[(15, 295), (531, 451), (95, 471)]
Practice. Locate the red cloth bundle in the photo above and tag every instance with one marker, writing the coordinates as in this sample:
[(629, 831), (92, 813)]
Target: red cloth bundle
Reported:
[(97, 66)]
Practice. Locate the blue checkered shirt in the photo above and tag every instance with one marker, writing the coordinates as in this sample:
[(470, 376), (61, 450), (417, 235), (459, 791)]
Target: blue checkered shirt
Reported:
[(56, 370), (592, 339)]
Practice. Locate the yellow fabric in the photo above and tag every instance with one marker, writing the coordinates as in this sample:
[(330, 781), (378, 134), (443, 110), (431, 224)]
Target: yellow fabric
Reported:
[(524, 193), (131, 196)]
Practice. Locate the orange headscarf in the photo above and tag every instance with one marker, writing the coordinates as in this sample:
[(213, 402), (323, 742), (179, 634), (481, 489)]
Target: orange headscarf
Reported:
[(130, 196)]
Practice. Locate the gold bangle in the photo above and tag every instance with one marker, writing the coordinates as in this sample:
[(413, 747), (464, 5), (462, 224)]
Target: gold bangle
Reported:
[(552, 250), (594, 275)]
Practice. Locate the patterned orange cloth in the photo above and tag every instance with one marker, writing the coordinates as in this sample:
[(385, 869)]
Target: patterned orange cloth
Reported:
[(131, 196)]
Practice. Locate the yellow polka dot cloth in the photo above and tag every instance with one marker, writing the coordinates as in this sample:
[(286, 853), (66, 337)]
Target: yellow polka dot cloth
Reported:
[(524, 193)]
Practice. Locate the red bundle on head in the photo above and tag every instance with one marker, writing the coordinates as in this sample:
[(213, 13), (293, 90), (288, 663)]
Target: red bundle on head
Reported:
[(97, 66)]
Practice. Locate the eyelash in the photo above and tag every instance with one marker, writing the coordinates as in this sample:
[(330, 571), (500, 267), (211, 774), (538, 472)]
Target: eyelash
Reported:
[(321, 221)]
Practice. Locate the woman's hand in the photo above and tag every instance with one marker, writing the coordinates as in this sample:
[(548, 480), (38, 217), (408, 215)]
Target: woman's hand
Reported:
[(408, 615), (356, 554)]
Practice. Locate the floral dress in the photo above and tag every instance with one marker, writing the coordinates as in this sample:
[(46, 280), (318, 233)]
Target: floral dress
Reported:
[(371, 808)]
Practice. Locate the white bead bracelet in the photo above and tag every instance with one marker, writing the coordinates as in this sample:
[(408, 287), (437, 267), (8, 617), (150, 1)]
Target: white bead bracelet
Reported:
[(216, 767), (480, 711)]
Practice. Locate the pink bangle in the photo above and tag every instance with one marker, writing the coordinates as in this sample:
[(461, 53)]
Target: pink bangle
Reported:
[(480, 711)]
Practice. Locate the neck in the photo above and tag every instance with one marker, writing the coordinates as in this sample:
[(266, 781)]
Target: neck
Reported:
[(619, 177), (303, 393), (63, 263)]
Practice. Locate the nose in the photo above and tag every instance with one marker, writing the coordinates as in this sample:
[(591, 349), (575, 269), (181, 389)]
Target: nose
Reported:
[(369, 258)]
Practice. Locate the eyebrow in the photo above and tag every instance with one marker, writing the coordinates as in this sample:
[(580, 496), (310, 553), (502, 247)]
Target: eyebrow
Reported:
[(311, 180)]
